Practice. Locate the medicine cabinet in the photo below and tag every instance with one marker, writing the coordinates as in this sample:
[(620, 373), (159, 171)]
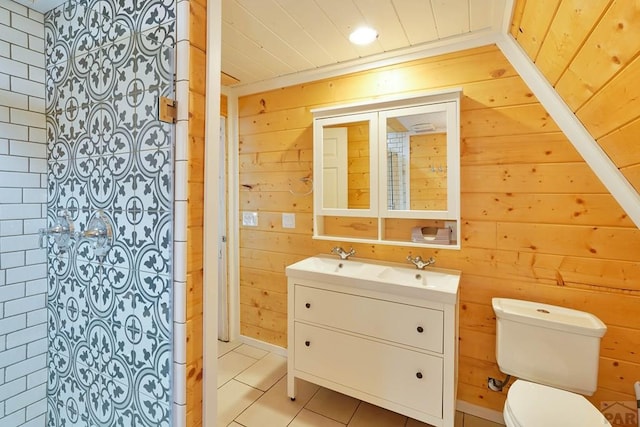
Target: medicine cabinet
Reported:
[(388, 171)]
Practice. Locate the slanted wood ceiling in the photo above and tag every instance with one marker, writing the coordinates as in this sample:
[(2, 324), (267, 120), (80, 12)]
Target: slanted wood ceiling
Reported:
[(590, 52)]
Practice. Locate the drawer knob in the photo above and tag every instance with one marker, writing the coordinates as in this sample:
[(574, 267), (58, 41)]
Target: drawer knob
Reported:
[(308, 343), (420, 329), (419, 375), (308, 305)]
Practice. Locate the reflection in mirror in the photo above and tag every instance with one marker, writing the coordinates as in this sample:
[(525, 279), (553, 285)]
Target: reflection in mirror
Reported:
[(417, 162), (345, 166)]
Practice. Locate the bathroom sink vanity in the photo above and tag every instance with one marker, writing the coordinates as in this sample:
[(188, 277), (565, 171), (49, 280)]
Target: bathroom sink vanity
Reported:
[(380, 332)]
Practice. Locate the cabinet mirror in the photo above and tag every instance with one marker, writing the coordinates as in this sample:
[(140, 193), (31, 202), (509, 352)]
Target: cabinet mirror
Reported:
[(415, 166), (347, 162)]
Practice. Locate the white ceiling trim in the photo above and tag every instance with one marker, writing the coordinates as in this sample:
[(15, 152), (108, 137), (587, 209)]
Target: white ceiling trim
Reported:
[(439, 47), (617, 184)]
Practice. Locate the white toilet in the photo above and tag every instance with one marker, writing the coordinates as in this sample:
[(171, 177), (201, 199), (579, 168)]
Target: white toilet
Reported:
[(554, 352)]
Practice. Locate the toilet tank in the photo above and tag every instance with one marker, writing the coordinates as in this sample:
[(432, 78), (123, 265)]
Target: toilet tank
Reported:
[(549, 345)]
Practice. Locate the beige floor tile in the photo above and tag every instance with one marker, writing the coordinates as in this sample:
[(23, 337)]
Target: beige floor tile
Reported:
[(334, 405), (307, 418), (226, 347), (274, 408), (373, 416), (234, 424), (472, 421), (265, 372), (233, 398), (231, 364), (247, 350)]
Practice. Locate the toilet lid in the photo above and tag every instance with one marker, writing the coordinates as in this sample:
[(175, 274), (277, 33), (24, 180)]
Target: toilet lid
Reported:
[(534, 405)]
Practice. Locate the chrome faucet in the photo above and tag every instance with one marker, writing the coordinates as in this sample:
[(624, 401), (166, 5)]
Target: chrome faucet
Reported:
[(420, 263), (342, 253)]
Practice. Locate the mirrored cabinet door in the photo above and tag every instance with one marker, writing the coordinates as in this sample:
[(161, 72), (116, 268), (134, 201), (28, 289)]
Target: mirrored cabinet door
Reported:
[(348, 160), (418, 174)]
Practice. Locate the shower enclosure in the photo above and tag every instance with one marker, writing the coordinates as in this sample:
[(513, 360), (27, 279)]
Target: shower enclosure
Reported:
[(107, 315)]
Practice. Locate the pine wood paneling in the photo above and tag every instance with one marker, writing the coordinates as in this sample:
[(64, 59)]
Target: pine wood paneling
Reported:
[(536, 222), (534, 24)]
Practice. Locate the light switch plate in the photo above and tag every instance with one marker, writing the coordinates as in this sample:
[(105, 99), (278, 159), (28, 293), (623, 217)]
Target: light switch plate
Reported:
[(288, 220), (250, 219)]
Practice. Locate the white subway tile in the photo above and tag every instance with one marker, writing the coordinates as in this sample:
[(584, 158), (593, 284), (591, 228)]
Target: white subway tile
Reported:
[(36, 256), (36, 414), (182, 98), (179, 302), (36, 74), (11, 324), (10, 228), (179, 342), (37, 317), (38, 286), (4, 146), (16, 8), (11, 260), (24, 367), (34, 195), (28, 149), (11, 131), (26, 398), (5, 81), (23, 305), (179, 383), (19, 211), (5, 49), (28, 118), (181, 181), (27, 273), (15, 419), (11, 292), (182, 140), (37, 105), (14, 164), (14, 36), (27, 86), (27, 25), (180, 261), (13, 67), (182, 21), (38, 166), (1, 382), (38, 347), (11, 195), (20, 338), (36, 16), (27, 56), (5, 17), (11, 356), (14, 100), (33, 226), (182, 62), (180, 221), (4, 113), (19, 179), (37, 377), (179, 415)]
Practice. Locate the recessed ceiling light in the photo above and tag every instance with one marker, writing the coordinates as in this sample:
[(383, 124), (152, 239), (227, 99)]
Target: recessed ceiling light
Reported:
[(363, 35)]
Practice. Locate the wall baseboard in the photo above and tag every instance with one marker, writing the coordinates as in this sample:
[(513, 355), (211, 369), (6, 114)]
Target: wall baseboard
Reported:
[(480, 412), (281, 351)]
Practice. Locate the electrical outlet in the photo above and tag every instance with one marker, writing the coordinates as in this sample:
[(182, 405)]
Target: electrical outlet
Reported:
[(250, 219), (288, 220)]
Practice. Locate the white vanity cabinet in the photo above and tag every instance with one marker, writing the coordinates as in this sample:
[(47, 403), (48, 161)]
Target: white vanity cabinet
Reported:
[(367, 341)]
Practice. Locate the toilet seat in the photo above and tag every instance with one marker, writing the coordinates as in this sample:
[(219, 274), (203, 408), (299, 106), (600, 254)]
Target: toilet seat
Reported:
[(534, 405)]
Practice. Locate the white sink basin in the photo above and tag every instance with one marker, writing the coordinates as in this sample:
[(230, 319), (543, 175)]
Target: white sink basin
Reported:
[(436, 284)]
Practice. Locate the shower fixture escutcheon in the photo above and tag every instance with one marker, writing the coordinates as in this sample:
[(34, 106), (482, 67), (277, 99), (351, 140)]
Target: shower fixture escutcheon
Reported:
[(99, 232), (62, 231)]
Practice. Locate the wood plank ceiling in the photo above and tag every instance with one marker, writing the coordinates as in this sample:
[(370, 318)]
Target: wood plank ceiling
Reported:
[(265, 39)]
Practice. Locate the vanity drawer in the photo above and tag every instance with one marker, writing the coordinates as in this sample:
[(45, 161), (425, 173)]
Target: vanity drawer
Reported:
[(394, 374), (406, 324)]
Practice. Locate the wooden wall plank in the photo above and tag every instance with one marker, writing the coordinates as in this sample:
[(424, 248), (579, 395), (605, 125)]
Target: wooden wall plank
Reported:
[(610, 47), (520, 178), (571, 25), (621, 145), (534, 24)]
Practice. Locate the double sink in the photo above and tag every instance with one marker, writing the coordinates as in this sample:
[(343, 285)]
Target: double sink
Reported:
[(433, 283)]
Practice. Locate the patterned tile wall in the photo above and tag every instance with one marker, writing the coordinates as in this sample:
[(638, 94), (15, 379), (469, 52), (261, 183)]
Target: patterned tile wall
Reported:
[(23, 197), (110, 319)]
